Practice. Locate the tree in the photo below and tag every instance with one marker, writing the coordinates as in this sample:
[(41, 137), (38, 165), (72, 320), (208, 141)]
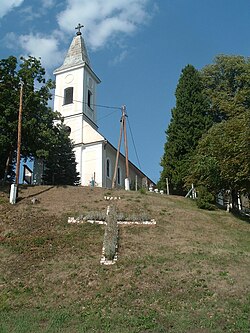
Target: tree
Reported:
[(60, 164), (37, 120), (227, 85), (222, 159), (190, 120)]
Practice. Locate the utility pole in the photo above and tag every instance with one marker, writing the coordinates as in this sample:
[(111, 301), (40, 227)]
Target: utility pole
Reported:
[(14, 187), (167, 186), (124, 131), (19, 135), (117, 154), (125, 138)]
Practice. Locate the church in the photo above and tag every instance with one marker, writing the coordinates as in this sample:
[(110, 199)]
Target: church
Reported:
[(99, 163)]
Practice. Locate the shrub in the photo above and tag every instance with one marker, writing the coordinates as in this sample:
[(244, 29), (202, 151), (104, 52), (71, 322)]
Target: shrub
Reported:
[(205, 199), (143, 190)]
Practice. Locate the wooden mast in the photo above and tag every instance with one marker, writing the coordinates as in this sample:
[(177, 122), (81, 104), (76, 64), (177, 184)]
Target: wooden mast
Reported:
[(117, 154), (19, 134), (125, 139), (124, 131)]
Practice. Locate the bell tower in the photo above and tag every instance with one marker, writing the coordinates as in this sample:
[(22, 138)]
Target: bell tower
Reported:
[(75, 96), (76, 84)]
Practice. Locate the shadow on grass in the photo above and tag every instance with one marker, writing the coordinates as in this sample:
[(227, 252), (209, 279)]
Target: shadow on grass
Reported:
[(236, 213), (24, 187), (241, 216), (5, 188)]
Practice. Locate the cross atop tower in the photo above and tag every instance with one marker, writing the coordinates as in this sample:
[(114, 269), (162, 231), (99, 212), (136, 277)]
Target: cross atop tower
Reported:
[(79, 29)]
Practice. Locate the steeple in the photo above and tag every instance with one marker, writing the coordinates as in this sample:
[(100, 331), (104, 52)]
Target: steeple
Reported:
[(77, 53), (76, 85)]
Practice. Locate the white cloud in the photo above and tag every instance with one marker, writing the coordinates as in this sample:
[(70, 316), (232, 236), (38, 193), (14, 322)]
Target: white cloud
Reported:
[(119, 58), (7, 5), (30, 13), (10, 40), (48, 3), (43, 47), (104, 20)]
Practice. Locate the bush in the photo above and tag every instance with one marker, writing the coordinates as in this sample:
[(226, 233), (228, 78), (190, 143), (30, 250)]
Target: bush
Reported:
[(142, 190), (205, 199)]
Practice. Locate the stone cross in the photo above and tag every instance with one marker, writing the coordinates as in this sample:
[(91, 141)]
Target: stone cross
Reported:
[(104, 260), (79, 29)]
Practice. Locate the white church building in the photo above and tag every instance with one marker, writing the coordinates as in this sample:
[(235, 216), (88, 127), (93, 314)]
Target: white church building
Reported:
[(75, 99)]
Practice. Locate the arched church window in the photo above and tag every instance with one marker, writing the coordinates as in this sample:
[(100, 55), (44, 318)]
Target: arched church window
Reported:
[(119, 176), (108, 168), (90, 99), (68, 95)]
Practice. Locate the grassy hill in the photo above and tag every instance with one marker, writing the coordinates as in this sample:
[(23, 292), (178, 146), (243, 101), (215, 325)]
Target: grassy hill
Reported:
[(189, 273)]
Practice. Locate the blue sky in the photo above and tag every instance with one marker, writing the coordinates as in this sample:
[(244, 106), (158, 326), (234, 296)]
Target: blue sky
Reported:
[(137, 48)]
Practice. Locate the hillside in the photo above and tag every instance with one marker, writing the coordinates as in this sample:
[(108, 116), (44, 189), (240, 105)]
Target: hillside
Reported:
[(189, 273)]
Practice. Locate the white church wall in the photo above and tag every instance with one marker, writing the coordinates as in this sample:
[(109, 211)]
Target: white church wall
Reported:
[(75, 124), (65, 79), (78, 156), (92, 165), (81, 131), (90, 83), (110, 153), (90, 134), (135, 175), (71, 111)]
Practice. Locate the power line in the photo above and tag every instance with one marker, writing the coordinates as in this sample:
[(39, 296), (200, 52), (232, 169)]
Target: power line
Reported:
[(97, 105), (81, 113), (106, 107), (86, 103), (133, 141)]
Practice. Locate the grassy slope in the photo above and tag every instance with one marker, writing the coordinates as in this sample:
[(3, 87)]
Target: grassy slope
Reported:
[(189, 273)]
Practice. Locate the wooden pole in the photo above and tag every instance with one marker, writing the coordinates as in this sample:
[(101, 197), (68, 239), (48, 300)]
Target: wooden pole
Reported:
[(117, 155), (19, 135), (125, 139), (167, 186)]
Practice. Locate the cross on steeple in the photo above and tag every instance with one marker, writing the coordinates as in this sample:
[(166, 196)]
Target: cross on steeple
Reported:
[(79, 29)]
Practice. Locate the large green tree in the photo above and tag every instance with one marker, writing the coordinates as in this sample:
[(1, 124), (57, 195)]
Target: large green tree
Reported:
[(222, 159), (190, 120), (37, 119), (227, 85), (60, 164)]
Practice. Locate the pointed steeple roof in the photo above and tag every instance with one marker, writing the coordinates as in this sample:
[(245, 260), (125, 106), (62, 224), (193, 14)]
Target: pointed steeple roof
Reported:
[(76, 55)]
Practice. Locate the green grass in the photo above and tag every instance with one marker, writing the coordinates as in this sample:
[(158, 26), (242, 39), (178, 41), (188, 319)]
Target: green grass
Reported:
[(189, 273)]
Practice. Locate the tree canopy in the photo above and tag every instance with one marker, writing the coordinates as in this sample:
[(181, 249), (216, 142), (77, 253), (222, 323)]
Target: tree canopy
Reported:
[(227, 85), (37, 117), (222, 159), (218, 157), (190, 119), (38, 130), (61, 164)]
